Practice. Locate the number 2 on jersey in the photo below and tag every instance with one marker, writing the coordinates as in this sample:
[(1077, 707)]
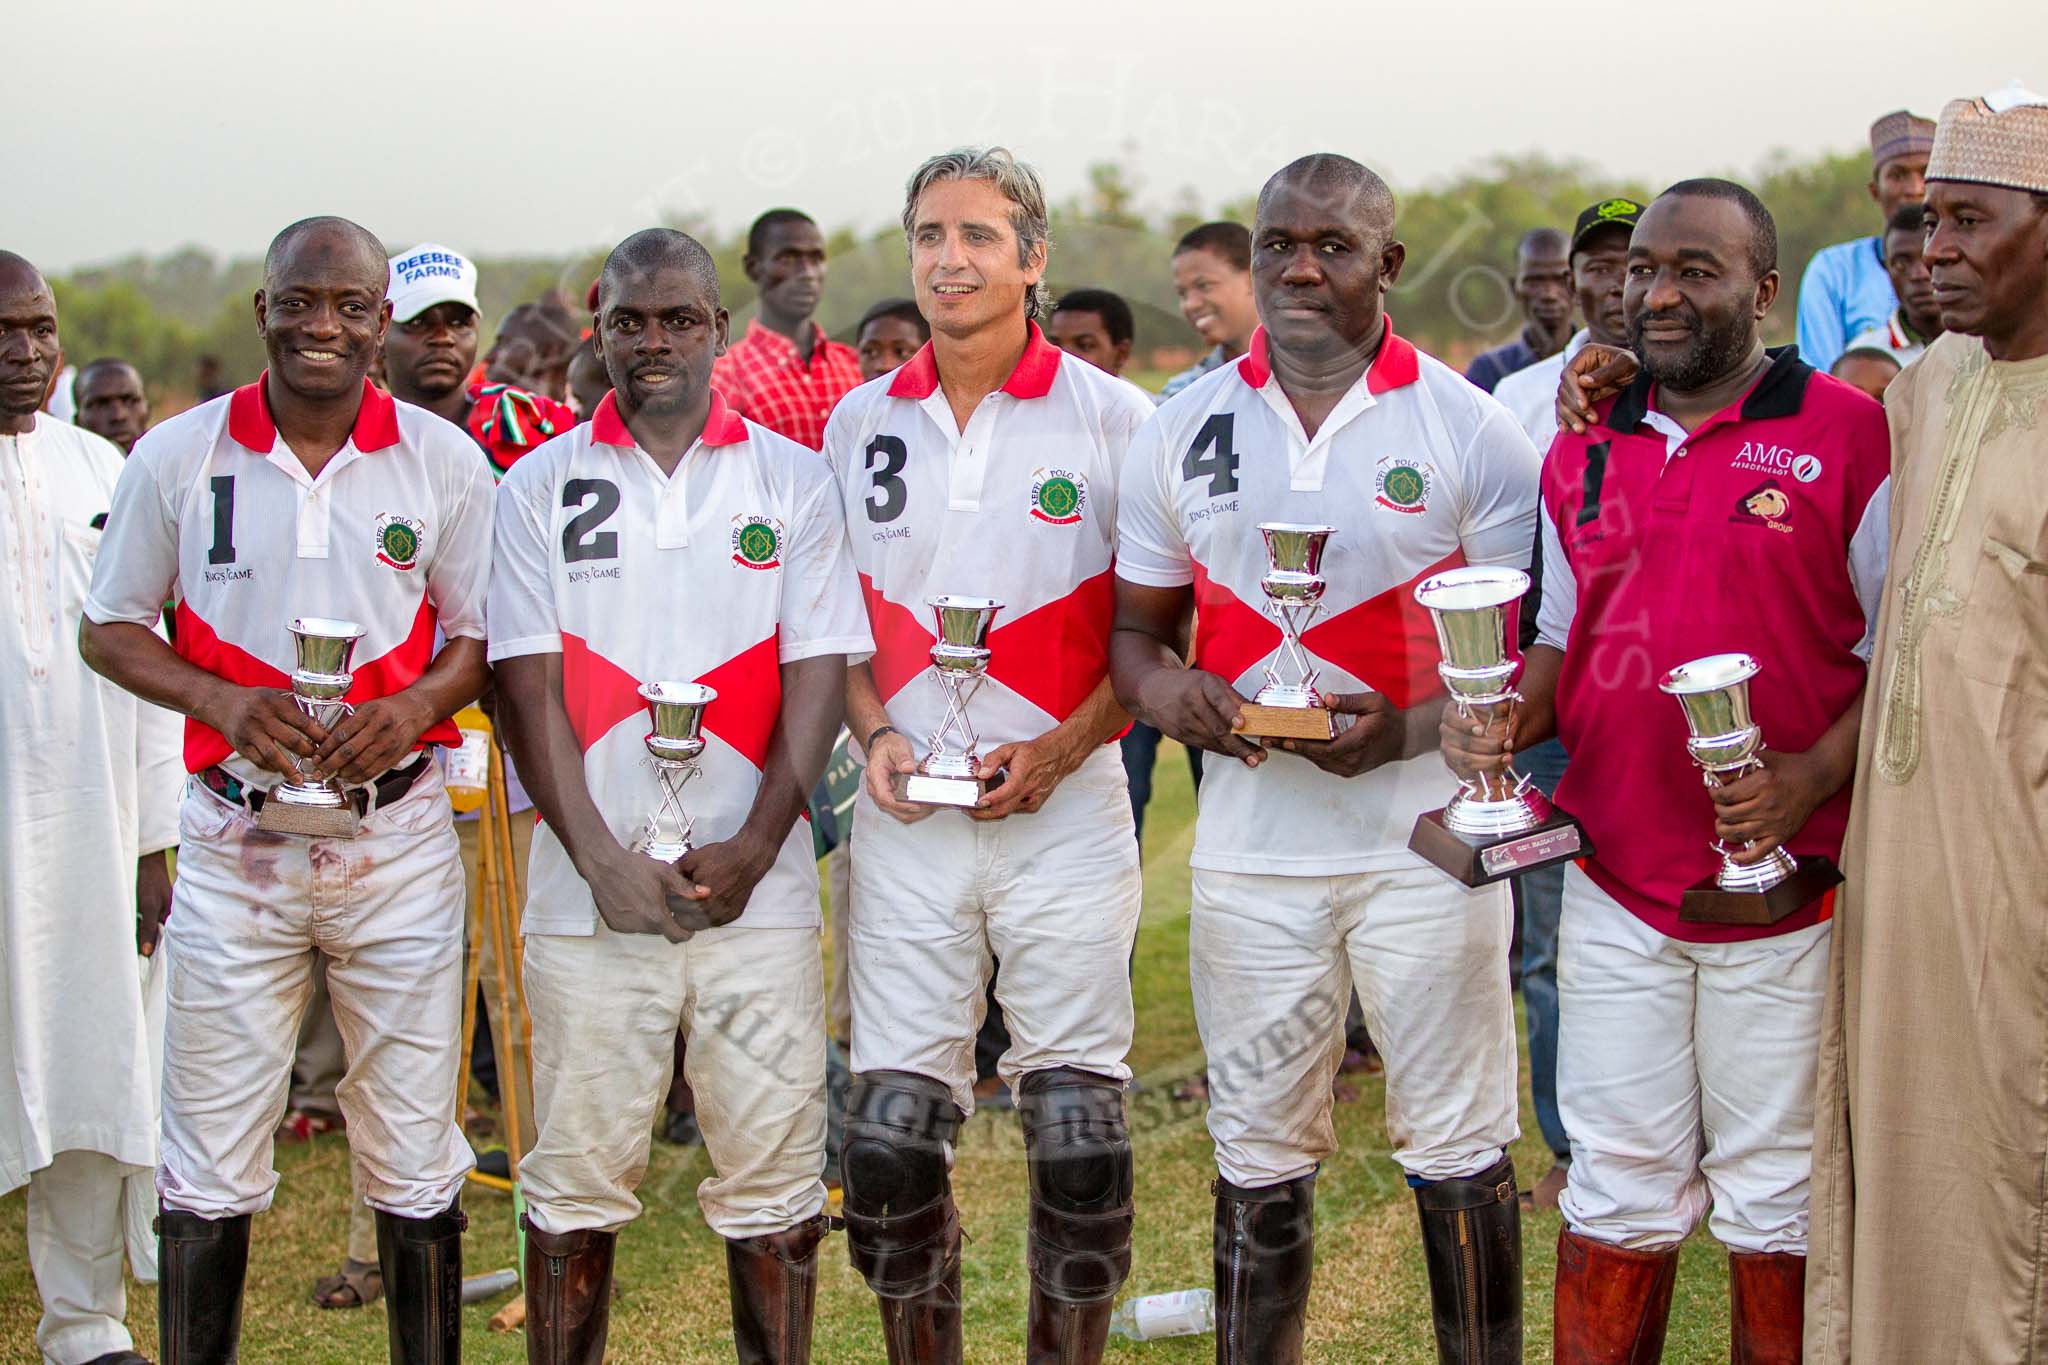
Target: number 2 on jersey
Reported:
[(580, 537), (1212, 454)]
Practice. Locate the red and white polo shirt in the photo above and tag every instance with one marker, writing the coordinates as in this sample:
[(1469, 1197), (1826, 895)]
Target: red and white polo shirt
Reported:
[(718, 574), (214, 509), (1418, 471), (1020, 506), (1763, 531)]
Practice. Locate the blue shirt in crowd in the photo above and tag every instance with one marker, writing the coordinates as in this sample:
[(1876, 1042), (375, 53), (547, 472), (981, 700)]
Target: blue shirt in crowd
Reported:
[(1497, 364), (1844, 293)]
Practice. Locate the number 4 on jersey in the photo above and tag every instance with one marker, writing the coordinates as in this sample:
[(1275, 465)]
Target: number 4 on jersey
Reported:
[(1212, 454)]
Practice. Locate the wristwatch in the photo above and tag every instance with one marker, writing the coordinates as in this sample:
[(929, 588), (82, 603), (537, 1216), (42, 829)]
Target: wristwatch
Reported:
[(877, 733)]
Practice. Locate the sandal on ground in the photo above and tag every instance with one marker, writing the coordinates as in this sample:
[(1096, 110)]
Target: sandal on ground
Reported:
[(301, 1126), (1360, 1061), (357, 1286)]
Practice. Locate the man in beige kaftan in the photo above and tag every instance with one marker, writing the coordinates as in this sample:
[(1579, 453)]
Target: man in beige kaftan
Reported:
[(1929, 1237)]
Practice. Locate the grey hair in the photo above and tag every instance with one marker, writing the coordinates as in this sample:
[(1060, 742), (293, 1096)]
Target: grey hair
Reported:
[(1019, 184)]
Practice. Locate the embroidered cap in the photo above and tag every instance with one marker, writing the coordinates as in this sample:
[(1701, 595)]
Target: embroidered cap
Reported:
[(1900, 133), (1996, 139)]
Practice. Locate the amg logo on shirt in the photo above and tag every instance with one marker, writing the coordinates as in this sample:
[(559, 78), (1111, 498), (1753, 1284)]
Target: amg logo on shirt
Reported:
[(1765, 458)]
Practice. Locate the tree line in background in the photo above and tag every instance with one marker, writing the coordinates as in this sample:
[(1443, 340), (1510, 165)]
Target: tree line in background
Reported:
[(1453, 297)]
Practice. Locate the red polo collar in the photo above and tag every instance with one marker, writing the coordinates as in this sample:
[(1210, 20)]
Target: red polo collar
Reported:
[(250, 423), (722, 426), (1394, 367), (919, 376)]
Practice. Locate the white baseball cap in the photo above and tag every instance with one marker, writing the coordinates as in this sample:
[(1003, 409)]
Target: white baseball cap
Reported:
[(430, 274)]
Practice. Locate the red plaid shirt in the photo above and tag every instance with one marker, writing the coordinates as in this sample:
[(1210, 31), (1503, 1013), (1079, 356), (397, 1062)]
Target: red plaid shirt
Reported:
[(764, 377)]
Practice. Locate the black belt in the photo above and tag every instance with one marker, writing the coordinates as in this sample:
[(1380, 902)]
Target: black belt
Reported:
[(388, 788)]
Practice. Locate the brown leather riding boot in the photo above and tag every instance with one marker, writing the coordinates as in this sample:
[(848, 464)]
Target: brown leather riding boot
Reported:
[(568, 1295), (925, 1329), (1612, 1305), (1766, 1307), (774, 1284), (1062, 1333)]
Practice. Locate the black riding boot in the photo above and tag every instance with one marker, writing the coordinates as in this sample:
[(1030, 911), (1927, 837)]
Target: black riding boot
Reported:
[(902, 1229), (201, 1264), (1077, 1147), (1265, 1259), (422, 1263), (1472, 1241)]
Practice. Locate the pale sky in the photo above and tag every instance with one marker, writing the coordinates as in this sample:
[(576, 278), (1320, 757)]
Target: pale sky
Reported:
[(534, 126)]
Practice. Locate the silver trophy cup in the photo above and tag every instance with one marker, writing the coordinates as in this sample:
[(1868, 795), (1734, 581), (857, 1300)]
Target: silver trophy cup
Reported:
[(1288, 706), (676, 711), (311, 805), (947, 776), (1725, 741), (1469, 609)]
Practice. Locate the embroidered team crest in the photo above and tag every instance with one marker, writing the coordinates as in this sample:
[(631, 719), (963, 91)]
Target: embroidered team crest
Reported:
[(398, 541), (1402, 485), (1058, 496), (1767, 504), (757, 542)]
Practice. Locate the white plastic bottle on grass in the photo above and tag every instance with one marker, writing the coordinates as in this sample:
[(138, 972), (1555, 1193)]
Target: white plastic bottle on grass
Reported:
[(1182, 1314)]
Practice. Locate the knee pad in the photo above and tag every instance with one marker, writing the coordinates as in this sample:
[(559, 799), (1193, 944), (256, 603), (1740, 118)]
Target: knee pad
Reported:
[(1078, 1148), (901, 1228)]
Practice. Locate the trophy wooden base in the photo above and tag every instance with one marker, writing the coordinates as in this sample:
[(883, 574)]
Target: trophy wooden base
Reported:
[(1707, 903), (924, 790), (314, 822), (1481, 863), (1287, 722)]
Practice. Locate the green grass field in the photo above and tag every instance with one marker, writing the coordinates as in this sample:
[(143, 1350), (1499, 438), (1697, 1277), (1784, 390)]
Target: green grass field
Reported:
[(1370, 1301)]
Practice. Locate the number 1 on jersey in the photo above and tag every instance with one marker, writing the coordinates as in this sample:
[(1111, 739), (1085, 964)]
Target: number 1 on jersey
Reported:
[(223, 550)]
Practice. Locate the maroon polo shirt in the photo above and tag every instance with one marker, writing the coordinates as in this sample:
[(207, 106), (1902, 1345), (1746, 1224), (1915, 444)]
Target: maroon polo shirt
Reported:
[(1755, 536)]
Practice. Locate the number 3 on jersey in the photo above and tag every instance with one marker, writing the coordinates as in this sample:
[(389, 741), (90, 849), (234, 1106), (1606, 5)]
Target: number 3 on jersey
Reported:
[(1212, 454), (890, 493)]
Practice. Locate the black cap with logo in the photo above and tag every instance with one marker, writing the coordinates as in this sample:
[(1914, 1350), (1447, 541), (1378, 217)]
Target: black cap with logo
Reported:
[(1608, 212)]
